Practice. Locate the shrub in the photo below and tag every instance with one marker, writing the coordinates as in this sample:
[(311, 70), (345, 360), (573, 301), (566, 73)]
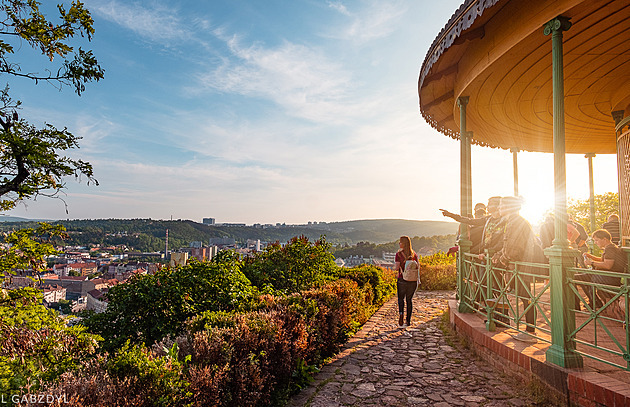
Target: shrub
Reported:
[(159, 379), (382, 282), (150, 307), (35, 344), (134, 376), (249, 364), (437, 259), (216, 340), (438, 276), (296, 266)]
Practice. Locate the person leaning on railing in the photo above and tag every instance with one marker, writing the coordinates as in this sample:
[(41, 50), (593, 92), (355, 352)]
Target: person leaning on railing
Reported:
[(612, 259), (520, 244), (492, 234)]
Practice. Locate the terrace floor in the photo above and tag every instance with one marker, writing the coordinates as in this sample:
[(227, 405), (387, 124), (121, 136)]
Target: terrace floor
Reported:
[(383, 365), (607, 334)]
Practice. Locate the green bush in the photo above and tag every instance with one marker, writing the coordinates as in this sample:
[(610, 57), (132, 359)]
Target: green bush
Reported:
[(158, 379), (437, 259), (216, 339), (149, 307), (438, 272), (381, 282), (438, 277), (297, 265), (36, 346), (250, 364), (133, 376)]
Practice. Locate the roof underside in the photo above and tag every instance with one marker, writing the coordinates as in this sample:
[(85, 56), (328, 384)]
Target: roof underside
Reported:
[(502, 62)]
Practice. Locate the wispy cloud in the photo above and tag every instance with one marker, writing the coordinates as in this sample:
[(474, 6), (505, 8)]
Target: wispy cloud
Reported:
[(374, 20), (156, 23), (337, 5), (302, 79)]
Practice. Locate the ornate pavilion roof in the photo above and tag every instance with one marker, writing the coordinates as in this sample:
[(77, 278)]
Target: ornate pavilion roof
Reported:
[(495, 52)]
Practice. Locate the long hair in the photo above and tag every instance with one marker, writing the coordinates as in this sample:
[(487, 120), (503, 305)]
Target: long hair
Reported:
[(406, 247)]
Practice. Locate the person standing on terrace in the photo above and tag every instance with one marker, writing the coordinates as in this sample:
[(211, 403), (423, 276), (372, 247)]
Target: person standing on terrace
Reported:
[(405, 288), (612, 226), (492, 234), (519, 244)]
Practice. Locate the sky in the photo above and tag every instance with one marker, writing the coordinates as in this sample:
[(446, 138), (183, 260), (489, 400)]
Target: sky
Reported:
[(270, 111)]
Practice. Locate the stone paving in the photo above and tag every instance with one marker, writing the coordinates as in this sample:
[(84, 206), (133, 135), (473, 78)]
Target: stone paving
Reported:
[(417, 366)]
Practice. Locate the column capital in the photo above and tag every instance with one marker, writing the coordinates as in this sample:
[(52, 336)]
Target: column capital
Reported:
[(617, 115), (462, 101), (514, 150), (589, 155), (559, 23)]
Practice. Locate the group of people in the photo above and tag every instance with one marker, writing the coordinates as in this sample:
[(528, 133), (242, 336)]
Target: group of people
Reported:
[(498, 230)]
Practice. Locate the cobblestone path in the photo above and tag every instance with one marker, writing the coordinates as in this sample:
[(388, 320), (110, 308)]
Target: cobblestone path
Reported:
[(418, 366)]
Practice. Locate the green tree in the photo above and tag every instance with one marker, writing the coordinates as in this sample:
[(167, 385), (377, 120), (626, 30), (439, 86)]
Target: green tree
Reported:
[(23, 21), (27, 249), (297, 265), (31, 159), (36, 346), (605, 204)]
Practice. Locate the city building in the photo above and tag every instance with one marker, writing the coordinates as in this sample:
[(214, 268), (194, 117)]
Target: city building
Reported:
[(96, 300), (179, 259), (53, 293)]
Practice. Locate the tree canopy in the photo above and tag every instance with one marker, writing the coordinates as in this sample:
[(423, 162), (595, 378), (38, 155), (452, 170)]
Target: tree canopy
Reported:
[(23, 21), (605, 204), (31, 159)]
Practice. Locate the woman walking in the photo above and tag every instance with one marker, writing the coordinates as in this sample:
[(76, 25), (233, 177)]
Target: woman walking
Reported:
[(407, 267)]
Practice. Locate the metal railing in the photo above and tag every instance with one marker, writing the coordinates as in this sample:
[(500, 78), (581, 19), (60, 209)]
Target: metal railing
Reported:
[(606, 316), (518, 299)]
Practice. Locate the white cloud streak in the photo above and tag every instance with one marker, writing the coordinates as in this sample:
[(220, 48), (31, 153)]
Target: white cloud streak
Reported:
[(299, 78), (337, 5), (158, 23), (375, 20)]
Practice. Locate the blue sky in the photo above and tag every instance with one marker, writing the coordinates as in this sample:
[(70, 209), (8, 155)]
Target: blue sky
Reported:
[(274, 111)]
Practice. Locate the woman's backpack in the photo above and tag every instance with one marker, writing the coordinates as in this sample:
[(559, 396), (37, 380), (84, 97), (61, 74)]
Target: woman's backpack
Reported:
[(411, 271)]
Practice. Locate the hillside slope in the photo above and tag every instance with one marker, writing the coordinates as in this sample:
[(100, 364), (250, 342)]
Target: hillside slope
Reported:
[(149, 234)]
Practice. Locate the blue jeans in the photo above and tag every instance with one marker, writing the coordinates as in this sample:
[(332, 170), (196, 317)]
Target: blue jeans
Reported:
[(405, 289)]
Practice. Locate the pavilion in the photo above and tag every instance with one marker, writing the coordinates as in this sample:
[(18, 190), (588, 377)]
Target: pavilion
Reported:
[(541, 76)]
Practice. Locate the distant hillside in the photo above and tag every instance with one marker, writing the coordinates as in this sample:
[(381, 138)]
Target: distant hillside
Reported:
[(6, 218), (149, 234), (387, 230)]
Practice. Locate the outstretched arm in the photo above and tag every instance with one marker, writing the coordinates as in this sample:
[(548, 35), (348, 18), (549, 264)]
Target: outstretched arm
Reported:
[(463, 219)]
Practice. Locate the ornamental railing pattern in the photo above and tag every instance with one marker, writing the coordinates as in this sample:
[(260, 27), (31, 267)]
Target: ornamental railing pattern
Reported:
[(517, 300)]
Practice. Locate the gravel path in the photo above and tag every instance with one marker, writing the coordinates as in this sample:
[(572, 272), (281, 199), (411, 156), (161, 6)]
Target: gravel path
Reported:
[(418, 366)]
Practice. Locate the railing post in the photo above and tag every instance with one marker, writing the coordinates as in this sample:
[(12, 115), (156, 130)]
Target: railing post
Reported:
[(490, 324), (561, 257)]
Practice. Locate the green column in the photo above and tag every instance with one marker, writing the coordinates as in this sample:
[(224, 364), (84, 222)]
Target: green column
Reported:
[(591, 199), (515, 164), (465, 201), (561, 257)]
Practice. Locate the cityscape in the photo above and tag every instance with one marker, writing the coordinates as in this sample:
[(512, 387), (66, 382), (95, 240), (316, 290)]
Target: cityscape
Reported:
[(79, 277), (451, 180)]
